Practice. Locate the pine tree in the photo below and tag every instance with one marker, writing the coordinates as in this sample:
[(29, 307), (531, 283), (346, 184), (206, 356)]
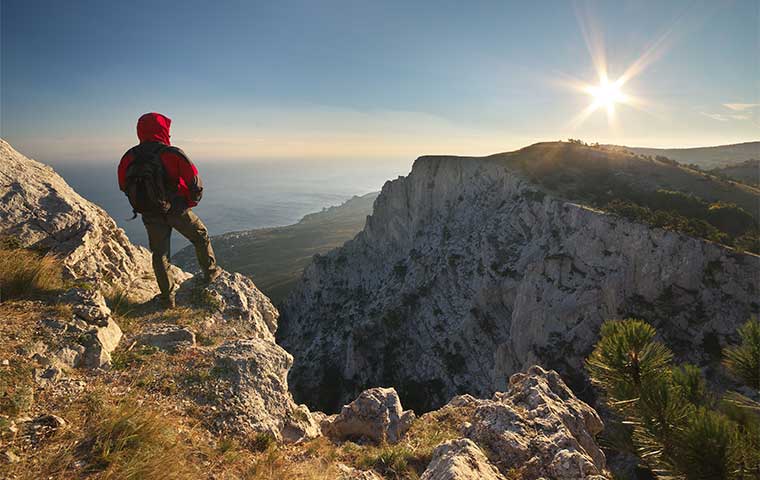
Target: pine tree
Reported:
[(677, 427)]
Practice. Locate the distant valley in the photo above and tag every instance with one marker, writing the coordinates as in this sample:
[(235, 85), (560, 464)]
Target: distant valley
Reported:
[(275, 257)]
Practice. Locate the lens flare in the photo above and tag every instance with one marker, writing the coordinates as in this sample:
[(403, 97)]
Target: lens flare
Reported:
[(606, 94)]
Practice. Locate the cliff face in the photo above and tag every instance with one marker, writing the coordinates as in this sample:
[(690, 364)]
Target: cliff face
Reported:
[(466, 273), (40, 210)]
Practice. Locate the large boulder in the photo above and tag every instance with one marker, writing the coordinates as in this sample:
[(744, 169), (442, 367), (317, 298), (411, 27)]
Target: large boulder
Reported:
[(538, 428), (258, 400), (233, 299), (375, 415), (166, 337), (460, 459), (40, 210)]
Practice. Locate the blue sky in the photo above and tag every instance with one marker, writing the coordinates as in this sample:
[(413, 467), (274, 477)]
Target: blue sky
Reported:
[(355, 80)]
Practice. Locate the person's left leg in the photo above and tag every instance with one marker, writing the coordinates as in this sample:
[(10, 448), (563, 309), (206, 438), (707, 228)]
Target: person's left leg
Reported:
[(191, 227)]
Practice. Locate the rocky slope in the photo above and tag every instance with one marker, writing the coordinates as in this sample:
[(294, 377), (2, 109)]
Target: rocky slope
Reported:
[(469, 270), (40, 211)]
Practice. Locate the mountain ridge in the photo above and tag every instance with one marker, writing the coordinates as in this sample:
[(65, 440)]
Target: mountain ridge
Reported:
[(707, 157)]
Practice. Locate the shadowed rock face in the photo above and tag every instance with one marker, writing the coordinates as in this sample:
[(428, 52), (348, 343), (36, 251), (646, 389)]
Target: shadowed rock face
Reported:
[(467, 272), (38, 208)]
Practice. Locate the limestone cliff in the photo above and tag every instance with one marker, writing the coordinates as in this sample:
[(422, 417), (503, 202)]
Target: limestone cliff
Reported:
[(469, 271)]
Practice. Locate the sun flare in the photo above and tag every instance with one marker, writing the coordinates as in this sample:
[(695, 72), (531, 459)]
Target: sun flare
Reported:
[(606, 94)]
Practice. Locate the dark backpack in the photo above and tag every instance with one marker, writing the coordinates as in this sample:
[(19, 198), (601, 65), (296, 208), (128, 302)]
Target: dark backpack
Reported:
[(146, 183)]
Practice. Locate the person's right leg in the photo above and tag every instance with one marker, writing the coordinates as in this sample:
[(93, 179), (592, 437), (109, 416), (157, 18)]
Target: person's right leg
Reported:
[(191, 227), (159, 236)]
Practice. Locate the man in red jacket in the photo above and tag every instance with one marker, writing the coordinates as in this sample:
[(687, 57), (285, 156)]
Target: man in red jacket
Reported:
[(183, 189)]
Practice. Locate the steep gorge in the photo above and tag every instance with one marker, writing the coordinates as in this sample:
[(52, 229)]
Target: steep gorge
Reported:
[(471, 269)]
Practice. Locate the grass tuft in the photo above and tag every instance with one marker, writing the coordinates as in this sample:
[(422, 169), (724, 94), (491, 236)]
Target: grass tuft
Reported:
[(26, 273), (128, 441)]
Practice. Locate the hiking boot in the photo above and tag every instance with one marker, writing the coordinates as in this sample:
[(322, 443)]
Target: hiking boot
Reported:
[(212, 275), (170, 301), (164, 301)]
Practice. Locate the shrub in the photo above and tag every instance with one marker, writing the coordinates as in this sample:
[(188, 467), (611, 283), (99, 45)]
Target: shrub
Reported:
[(689, 380), (119, 302), (626, 357), (706, 448), (668, 414), (743, 361), (24, 273)]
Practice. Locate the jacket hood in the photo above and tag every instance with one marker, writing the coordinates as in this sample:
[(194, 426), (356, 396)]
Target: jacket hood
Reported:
[(154, 127)]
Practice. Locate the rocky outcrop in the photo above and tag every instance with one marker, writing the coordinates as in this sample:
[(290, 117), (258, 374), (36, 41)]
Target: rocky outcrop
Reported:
[(539, 429), (376, 415), (460, 459), (467, 272), (40, 210), (233, 298), (166, 337), (258, 400), (84, 339), (349, 473)]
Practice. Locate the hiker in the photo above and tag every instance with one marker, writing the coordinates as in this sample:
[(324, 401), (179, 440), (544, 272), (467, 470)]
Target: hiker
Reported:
[(162, 185)]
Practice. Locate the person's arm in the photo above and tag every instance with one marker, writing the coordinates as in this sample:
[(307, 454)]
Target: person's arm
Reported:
[(122, 170), (187, 171)]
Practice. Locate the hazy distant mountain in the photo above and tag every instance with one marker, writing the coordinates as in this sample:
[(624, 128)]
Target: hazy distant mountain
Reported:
[(707, 157), (275, 257)]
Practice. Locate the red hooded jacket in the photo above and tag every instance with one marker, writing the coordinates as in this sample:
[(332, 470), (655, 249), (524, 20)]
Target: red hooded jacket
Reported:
[(154, 127)]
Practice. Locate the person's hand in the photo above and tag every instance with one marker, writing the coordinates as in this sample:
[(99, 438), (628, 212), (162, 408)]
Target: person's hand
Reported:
[(179, 205), (196, 193)]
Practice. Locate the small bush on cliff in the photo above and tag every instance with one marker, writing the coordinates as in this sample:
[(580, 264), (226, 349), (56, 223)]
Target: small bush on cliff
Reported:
[(673, 422), (25, 273), (743, 360)]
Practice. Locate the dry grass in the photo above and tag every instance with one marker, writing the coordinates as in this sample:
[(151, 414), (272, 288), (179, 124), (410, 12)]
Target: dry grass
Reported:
[(131, 442), (25, 273), (17, 331)]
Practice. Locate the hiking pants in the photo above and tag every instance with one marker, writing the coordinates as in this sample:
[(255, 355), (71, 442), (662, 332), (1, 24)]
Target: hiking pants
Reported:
[(187, 223)]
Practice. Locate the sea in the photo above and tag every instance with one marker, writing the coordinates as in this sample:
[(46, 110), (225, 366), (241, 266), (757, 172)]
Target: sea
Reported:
[(243, 195)]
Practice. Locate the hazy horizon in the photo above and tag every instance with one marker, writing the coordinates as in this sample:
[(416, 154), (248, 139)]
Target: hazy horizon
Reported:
[(355, 82)]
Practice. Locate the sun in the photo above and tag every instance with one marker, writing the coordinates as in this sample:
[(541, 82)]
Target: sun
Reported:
[(606, 94)]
